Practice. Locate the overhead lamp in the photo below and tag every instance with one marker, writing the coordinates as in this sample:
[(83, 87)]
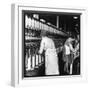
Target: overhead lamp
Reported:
[(42, 20), (75, 17), (36, 16)]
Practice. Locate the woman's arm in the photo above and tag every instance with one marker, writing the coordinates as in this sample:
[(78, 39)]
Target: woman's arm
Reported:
[(71, 48)]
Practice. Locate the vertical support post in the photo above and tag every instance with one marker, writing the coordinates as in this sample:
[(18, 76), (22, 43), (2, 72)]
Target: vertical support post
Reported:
[(71, 68), (57, 21)]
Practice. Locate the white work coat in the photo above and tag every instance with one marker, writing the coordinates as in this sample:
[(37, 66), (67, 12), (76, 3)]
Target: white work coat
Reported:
[(68, 49), (51, 59)]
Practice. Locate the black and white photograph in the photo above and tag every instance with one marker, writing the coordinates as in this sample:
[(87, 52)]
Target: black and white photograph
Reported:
[(51, 43)]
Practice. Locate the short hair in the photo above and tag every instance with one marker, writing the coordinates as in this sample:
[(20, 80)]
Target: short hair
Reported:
[(43, 33)]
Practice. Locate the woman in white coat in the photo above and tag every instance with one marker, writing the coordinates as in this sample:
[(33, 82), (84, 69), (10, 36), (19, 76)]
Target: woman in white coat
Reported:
[(51, 59)]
